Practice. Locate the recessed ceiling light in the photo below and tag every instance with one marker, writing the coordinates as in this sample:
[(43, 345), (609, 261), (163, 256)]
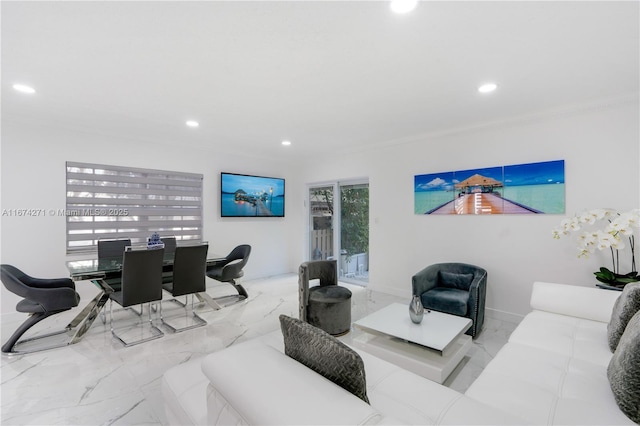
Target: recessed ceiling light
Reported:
[(24, 88), (403, 6), (487, 88), (286, 143), (192, 123)]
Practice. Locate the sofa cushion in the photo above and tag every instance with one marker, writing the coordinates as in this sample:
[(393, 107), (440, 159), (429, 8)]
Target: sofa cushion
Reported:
[(263, 386), (624, 370), (625, 307), (545, 387), (184, 391), (455, 280), (444, 299), (406, 398), (325, 355), (589, 303), (569, 336)]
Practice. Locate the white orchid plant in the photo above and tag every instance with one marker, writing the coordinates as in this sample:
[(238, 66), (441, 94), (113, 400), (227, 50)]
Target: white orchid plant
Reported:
[(619, 228)]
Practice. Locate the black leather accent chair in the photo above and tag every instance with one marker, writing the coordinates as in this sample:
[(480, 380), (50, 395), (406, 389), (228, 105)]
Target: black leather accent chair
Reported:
[(453, 288), (42, 298), (187, 278), (327, 305), (230, 269), (141, 284)]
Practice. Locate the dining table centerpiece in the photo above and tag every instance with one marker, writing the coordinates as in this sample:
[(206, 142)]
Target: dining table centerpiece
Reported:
[(605, 229)]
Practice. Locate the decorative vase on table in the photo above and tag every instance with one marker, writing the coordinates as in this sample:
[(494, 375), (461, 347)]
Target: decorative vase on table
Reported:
[(416, 310)]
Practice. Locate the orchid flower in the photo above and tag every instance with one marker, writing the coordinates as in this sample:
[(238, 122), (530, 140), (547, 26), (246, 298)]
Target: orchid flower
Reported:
[(618, 225)]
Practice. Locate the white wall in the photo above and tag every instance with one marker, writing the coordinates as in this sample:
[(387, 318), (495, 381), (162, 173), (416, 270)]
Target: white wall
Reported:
[(33, 176), (600, 148), (601, 152)]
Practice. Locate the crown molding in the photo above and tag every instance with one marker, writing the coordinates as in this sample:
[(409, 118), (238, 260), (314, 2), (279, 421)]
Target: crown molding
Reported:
[(543, 115)]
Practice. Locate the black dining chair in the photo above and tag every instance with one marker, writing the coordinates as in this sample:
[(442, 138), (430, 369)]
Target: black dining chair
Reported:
[(112, 248), (169, 244), (42, 299), (230, 269), (141, 284), (112, 251), (169, 250), (188, 278)]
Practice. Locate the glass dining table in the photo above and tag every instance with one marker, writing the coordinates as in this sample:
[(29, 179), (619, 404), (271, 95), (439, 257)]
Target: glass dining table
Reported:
[(100, 272)]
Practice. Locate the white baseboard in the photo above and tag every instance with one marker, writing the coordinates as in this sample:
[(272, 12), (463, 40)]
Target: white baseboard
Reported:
[(503, 315), (394, 291)]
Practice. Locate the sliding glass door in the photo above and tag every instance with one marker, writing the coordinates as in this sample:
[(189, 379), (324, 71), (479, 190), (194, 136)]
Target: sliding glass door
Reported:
[(354, 231), (321, 222), (343, 236)]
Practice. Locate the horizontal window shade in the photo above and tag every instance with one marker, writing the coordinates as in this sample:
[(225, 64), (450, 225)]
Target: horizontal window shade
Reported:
[(89, 201), (107, 202)]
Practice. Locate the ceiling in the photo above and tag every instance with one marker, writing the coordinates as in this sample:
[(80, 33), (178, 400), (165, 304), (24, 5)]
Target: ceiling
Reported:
[(326, 75)]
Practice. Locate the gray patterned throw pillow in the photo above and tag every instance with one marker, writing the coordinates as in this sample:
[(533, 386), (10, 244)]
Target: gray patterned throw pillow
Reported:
[(624, 370), (625, 307), (325, 355)]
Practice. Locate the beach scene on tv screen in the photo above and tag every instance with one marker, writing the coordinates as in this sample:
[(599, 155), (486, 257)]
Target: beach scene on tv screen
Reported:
[(252, 196)]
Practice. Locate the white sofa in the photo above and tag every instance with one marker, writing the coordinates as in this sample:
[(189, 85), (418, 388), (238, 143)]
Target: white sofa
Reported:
[(552, 371)]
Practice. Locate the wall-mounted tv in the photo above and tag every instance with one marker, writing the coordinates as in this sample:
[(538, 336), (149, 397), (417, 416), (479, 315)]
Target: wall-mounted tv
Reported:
[(251, 196)]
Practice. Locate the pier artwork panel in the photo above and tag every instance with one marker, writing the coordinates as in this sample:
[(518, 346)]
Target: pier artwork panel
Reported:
[(531, 188)]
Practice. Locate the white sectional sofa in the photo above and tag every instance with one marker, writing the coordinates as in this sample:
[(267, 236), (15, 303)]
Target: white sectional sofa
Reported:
[(553, 370)]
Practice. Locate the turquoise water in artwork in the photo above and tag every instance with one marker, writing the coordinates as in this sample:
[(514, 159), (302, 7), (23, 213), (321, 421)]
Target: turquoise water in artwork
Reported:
[(425, 201), (547, 198)]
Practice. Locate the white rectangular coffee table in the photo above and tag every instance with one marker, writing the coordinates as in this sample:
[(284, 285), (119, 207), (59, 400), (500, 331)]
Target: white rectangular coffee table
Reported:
[(431, 349)]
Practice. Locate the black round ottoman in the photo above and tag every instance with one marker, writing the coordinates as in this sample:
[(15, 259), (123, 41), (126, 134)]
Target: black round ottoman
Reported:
[(329, 309)]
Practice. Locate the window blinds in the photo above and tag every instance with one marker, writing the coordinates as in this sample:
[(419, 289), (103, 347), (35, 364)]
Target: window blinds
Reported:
[(107, 202)]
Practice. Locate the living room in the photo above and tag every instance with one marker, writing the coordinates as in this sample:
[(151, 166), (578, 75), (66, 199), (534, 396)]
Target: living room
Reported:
[(578, 103)]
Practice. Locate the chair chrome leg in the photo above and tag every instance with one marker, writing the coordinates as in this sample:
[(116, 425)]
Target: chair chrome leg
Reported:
[(190, 321), (224, 301), (11, 346), (156, 333)]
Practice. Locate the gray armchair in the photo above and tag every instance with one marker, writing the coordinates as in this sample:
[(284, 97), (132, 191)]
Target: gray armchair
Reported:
[(454, 288), (326, 306)]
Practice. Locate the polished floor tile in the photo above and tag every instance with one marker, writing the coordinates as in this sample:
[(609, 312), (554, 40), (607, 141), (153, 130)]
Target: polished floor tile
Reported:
[(100, 382)]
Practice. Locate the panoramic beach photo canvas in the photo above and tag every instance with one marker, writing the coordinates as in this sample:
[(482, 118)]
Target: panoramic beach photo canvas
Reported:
[(530, 188), (251, 196)]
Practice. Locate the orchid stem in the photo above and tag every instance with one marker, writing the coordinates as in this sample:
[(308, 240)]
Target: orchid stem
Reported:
[(632, 243)]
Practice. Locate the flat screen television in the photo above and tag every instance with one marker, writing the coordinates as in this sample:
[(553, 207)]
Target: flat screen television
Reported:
[(251, 196)]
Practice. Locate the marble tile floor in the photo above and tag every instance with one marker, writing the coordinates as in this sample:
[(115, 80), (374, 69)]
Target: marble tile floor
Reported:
[(100, 382)]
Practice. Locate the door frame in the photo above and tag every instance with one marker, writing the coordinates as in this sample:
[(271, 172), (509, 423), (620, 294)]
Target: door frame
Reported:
[(336, 218)]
